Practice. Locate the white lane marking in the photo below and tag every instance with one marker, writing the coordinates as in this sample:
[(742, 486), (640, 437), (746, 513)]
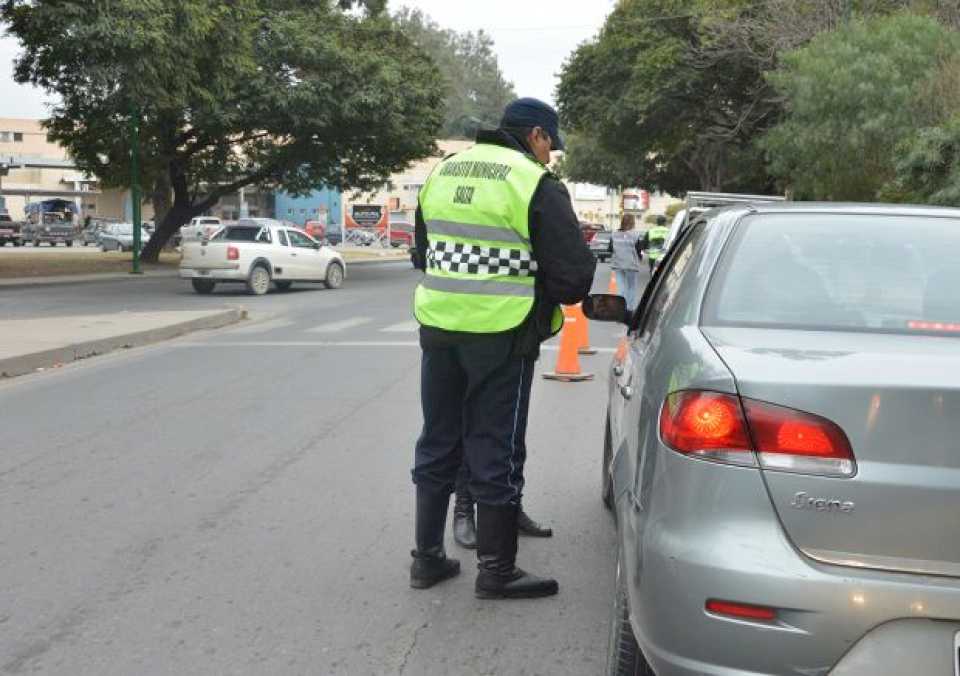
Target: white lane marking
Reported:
[(402, 327), (261, 327), (337, 343), (333, 327)]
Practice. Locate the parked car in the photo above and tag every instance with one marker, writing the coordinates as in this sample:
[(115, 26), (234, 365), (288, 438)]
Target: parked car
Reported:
[(91, 234), (781, 450), (600, 245), (119, 237), (256, 252), (200, 227), (401, 234), (10, 231)]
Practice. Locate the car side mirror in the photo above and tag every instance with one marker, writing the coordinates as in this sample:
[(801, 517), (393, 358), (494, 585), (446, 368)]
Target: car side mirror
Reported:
[(317, 246), (606, 307)]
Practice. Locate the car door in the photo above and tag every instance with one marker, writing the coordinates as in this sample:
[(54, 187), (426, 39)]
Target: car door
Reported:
[(305, 251), (639, 403), (285, 259)]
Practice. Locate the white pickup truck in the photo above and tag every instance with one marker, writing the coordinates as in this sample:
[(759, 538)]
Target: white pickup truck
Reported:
[(258, 252), (200, 227)]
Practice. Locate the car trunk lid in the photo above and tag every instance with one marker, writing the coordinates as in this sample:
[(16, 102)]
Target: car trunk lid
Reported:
[(898, 400)]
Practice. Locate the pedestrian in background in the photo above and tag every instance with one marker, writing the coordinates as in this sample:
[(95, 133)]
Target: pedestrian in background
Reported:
[(626, 259), (502, 249)]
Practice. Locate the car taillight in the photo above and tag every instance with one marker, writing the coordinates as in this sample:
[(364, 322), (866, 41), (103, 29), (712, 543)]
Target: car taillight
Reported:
[(742, 611), (233, 253), (707, 424), (723, 428), (794, 441)]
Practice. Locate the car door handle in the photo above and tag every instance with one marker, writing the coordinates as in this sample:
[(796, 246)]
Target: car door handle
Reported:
[(618, 370), (626, 391), (294, 255)]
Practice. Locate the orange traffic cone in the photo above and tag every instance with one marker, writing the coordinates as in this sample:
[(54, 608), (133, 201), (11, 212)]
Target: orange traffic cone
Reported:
[(612, 286), (568, 363), (582, 326)]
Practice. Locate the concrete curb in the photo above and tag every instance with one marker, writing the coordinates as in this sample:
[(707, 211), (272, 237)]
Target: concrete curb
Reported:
[(24, 282), (29, 363)]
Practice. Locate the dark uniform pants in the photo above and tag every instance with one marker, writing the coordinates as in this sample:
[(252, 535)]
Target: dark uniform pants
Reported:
[(475, 398)]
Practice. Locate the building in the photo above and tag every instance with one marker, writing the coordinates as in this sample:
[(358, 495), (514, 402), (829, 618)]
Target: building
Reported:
[(37, 168), (324, 205), (400, 194)]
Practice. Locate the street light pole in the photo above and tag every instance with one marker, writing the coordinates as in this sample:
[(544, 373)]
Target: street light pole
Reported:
[(135, 184)]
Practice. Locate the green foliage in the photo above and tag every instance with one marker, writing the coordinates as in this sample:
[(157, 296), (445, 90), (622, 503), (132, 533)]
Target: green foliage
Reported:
[(851, 97), (928, 167), (657, 104), (475, 89), (673, 209), (288, 93)]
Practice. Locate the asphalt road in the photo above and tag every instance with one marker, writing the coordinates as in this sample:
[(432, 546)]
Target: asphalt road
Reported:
[(239, 502)]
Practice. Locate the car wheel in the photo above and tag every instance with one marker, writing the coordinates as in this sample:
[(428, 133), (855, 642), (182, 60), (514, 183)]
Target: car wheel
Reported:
[(283, 286), (606, 481), (70, 243), (203, 286), (258, 284), (623, 654), (334, 276), (103, 247)]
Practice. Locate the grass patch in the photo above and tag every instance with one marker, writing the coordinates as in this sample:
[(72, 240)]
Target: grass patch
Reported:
[(67, 262)]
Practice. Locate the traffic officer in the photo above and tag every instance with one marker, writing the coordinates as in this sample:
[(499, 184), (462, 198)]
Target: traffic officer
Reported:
[(464, 522), (501, 247), (656, 239)]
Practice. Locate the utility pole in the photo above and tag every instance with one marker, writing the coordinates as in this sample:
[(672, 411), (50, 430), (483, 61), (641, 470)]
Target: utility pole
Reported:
[(135, 184)]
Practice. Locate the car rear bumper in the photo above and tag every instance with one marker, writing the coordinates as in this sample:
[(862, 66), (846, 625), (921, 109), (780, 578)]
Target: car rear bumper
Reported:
[(232, 274), (714, 535)]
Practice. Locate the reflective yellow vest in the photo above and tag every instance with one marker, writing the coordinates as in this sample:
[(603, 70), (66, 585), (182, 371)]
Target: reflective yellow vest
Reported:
[(657, 237), (480, 268)]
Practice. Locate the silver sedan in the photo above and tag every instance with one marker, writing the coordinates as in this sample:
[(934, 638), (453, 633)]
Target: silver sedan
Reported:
[(782, 450)]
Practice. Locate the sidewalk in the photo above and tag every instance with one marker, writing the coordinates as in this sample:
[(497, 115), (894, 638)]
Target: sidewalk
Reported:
[(28, 345)]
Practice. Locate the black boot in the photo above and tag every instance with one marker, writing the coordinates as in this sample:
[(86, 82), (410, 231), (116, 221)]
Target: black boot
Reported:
[(499, 577), (531, 528), (464, 525), (430, 563)]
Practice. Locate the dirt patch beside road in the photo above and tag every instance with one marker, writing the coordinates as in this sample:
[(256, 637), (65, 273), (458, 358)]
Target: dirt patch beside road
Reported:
[(47, 263)]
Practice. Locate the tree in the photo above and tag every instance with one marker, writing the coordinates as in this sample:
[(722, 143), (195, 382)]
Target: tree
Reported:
[(662, 104), (475, 88), (851, 97), (269, 93)]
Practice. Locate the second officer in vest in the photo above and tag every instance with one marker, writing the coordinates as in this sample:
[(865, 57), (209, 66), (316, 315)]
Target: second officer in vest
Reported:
[(501, 248)]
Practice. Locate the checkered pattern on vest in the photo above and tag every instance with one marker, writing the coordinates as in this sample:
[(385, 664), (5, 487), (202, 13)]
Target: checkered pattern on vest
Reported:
[(480, 260)]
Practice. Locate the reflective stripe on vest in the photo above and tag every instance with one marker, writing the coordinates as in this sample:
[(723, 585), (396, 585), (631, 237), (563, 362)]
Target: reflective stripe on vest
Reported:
[(480, 273)]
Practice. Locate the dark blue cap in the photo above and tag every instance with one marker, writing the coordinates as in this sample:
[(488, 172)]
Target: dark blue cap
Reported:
[(527, 113)]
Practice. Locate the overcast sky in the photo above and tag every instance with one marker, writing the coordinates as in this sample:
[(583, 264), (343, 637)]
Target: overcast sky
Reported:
[(533, 38)]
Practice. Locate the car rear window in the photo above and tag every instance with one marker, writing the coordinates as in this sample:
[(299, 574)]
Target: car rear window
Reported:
[(892, 274), (241, 233)]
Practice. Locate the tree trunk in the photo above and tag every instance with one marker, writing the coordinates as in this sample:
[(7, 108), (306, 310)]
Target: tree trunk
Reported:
[(160, 198), (167, 228), (179, 214)]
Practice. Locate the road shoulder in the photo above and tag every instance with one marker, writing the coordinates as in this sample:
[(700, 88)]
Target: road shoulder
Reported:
[(30, 345)]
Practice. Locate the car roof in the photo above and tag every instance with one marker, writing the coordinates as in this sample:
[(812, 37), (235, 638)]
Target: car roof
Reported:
[(853, 208)]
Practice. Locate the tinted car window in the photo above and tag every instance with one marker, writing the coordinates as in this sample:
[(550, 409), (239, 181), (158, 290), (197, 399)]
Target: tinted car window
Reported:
[(840, 272), (240, 233), (298, 239)]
